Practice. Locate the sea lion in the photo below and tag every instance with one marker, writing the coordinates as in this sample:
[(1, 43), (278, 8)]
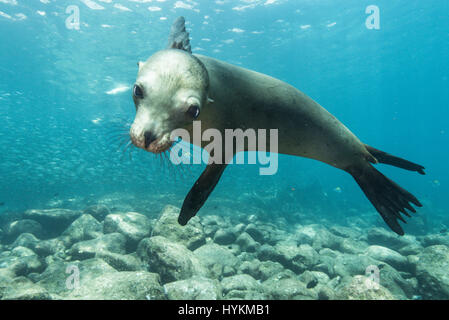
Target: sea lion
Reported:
[(175, 87)]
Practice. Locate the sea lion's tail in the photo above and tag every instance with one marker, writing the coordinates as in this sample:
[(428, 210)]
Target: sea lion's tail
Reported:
[(387, 158), (389, 199)]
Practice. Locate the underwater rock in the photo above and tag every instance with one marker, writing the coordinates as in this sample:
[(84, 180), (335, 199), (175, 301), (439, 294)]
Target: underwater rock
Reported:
[(363, 288), (347, 265), (137, 285), (18, 227), (297, 258), (285, 287), (326, 262), (215, 257), (99, 211), (392, 280), (134, 226), (22, 288), (317, 237), (54, 221), (224, 237), (435, 239), (192, 235), (171, 260), (326, 293), (121, 262), (393, 258), (212, 224), (50, 247), (267, 252), (26, 240), (11, 266), (56, 277), (19, 262), (32, 261), (240, 286), (247, 243), (268, 269), (250, 267), (432, 272), (195, 288), (112, 242), (348, 245), (346, 232), (385, 238), (238, 229), (256, 233), (313, 278), (411, 249), (85, 227)]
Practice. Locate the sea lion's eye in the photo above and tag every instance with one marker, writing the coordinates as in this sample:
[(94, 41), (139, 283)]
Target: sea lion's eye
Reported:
[(137, 92), (194, 111)]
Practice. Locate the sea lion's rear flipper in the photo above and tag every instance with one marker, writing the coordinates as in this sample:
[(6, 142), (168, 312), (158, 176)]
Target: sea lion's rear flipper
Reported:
[(389, 199), (200, 191), (179, 37), (387, 158)]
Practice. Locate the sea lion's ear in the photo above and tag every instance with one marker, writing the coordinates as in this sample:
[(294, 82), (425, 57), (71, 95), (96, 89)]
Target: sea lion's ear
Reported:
[(140, 64), (179, 37)]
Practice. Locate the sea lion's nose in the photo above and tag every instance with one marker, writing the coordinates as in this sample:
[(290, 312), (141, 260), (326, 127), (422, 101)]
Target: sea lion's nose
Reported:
[(149, 137)]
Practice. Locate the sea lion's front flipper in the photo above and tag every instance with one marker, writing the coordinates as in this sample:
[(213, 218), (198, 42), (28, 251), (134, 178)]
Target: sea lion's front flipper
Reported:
[(179, 37), (200, 191)]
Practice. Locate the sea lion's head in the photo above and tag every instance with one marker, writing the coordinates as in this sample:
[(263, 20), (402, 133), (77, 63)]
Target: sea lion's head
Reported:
[(170, 91)]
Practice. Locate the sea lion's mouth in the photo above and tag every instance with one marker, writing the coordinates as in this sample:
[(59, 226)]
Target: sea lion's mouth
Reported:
[(158, 146)]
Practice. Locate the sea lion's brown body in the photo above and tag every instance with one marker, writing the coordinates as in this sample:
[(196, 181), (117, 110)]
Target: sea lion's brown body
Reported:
[(248, 99), (175, 87)]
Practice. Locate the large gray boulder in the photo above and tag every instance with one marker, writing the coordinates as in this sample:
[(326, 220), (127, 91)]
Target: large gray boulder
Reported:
[(50, 247), (317, 237), (85, 227), (98, 211), (136, 285), (121, 262), (19, 262), (113, 242), (297, 258), (195, 288), (60, 276), (171, 260), (22, 288), (393, 258), (386, 238), (242, 286), (192, 235), (224, 236), (134, 226), (27, 240), (435, 239), (54, 221), (363, 288), (286, 287), (215, 258), (247, 243), (432, 272), (15, 228)]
